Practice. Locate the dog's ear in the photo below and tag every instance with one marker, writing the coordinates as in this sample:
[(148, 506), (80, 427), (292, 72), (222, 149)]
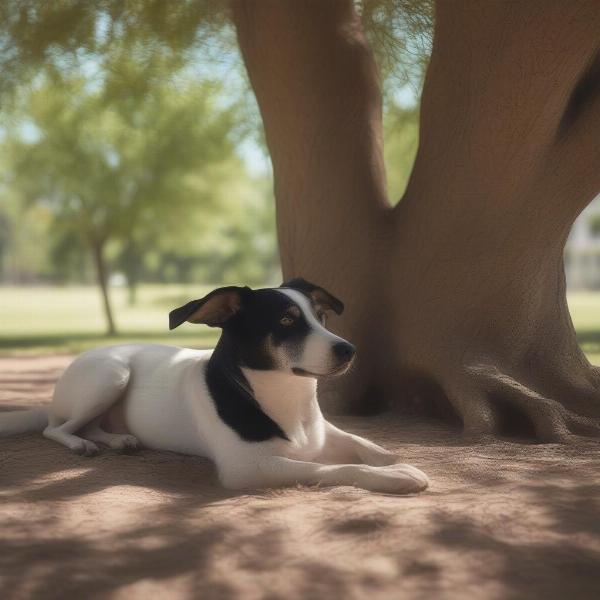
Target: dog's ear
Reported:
[(215, 309), (317, 294)]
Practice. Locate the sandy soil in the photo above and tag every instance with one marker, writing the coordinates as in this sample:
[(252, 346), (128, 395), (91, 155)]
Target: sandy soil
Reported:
[(504, 520)]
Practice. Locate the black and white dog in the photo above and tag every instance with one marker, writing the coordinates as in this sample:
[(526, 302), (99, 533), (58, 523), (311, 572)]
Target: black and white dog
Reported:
[(250, 405)]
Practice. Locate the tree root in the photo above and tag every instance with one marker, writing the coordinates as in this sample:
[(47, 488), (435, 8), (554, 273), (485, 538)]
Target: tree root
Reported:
[(478, 400)]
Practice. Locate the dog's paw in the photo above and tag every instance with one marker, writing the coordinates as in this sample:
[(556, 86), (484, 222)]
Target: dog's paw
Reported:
[(85, 448), (125, 444), (420, 481), (393, 479)]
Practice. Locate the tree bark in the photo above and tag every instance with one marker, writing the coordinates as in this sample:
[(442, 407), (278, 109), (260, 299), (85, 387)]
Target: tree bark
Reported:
[(102, 280), (457, 293)]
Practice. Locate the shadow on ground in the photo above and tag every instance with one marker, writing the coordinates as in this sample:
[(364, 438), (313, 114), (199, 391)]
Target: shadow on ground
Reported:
[(502, 520)]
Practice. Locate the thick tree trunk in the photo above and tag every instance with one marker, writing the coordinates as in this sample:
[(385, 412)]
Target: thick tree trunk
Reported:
[(318, 93), (457, 292), (102, 280)]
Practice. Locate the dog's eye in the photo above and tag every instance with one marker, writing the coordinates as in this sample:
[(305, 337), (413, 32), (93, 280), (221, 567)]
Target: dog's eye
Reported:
[(286, 321)]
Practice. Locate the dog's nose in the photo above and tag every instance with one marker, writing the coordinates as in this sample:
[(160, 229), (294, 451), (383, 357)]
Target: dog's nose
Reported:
[(344, 351)]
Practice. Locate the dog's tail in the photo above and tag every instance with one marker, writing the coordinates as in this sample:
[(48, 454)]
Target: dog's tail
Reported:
[(23, 421)]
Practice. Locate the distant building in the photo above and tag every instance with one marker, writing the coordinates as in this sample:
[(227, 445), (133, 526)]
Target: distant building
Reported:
[(582, 252)]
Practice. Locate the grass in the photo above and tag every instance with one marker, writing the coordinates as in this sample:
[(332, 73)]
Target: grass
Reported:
[(54, 320)]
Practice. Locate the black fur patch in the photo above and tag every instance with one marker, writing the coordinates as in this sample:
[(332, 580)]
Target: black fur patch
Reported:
[(259, 324), (234, 398), (316, 294)]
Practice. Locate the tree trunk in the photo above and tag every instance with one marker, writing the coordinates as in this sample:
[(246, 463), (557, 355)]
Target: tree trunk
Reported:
[(131, 263), (459, 291), (102, 280), (132, 287)]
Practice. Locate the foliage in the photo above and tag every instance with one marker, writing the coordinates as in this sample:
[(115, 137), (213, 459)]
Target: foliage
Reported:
[(121, 128), (400, 33), (595, 225), (58, 36), (138, 179), (55, 35), (106, 172)]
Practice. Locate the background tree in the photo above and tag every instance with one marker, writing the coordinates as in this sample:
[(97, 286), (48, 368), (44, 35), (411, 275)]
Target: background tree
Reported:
[(232, 241), (113, 174), (217, 222)]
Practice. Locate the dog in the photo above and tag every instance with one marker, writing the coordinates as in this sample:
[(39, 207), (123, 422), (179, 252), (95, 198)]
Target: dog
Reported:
[(250, 405)]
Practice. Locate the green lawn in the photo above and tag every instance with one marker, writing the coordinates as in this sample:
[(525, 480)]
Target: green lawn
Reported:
[(62, 320)]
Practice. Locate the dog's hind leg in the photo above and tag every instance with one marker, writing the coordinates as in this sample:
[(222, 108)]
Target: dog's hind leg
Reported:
[(63, 434), (87, 389), (117, 441)]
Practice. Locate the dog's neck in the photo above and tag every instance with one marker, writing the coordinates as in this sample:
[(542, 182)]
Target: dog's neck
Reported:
[(290, 400), (258, 404)]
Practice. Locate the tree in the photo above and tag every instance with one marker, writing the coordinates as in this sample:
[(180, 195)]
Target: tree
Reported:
[(110, 171), (128, 54), (232, 240), (458, 292), (53, 36)]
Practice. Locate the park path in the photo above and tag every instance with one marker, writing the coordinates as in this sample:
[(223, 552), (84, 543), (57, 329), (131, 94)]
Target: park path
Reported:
[(500, 521)]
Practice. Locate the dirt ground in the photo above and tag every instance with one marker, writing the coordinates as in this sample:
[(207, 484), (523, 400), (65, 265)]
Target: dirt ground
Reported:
[(504, 520)]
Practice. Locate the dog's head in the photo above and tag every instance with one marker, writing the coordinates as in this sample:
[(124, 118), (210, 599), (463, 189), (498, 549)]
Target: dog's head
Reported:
[(275, 328)]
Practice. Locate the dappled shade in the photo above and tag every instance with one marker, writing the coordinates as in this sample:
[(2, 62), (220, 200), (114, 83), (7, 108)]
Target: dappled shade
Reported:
[(508, 520)]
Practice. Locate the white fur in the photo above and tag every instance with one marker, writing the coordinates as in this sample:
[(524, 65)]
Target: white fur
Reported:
[(167, 406)]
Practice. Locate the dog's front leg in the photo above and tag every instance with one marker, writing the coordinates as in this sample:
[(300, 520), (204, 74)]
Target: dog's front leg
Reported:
[(343, 447), (277, 471)]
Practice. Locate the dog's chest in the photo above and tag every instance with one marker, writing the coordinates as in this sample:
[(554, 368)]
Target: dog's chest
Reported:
[(306, 443), (291, 402)]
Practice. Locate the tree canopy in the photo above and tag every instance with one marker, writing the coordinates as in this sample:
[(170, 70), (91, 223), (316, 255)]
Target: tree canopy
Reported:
[(124, 125)]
